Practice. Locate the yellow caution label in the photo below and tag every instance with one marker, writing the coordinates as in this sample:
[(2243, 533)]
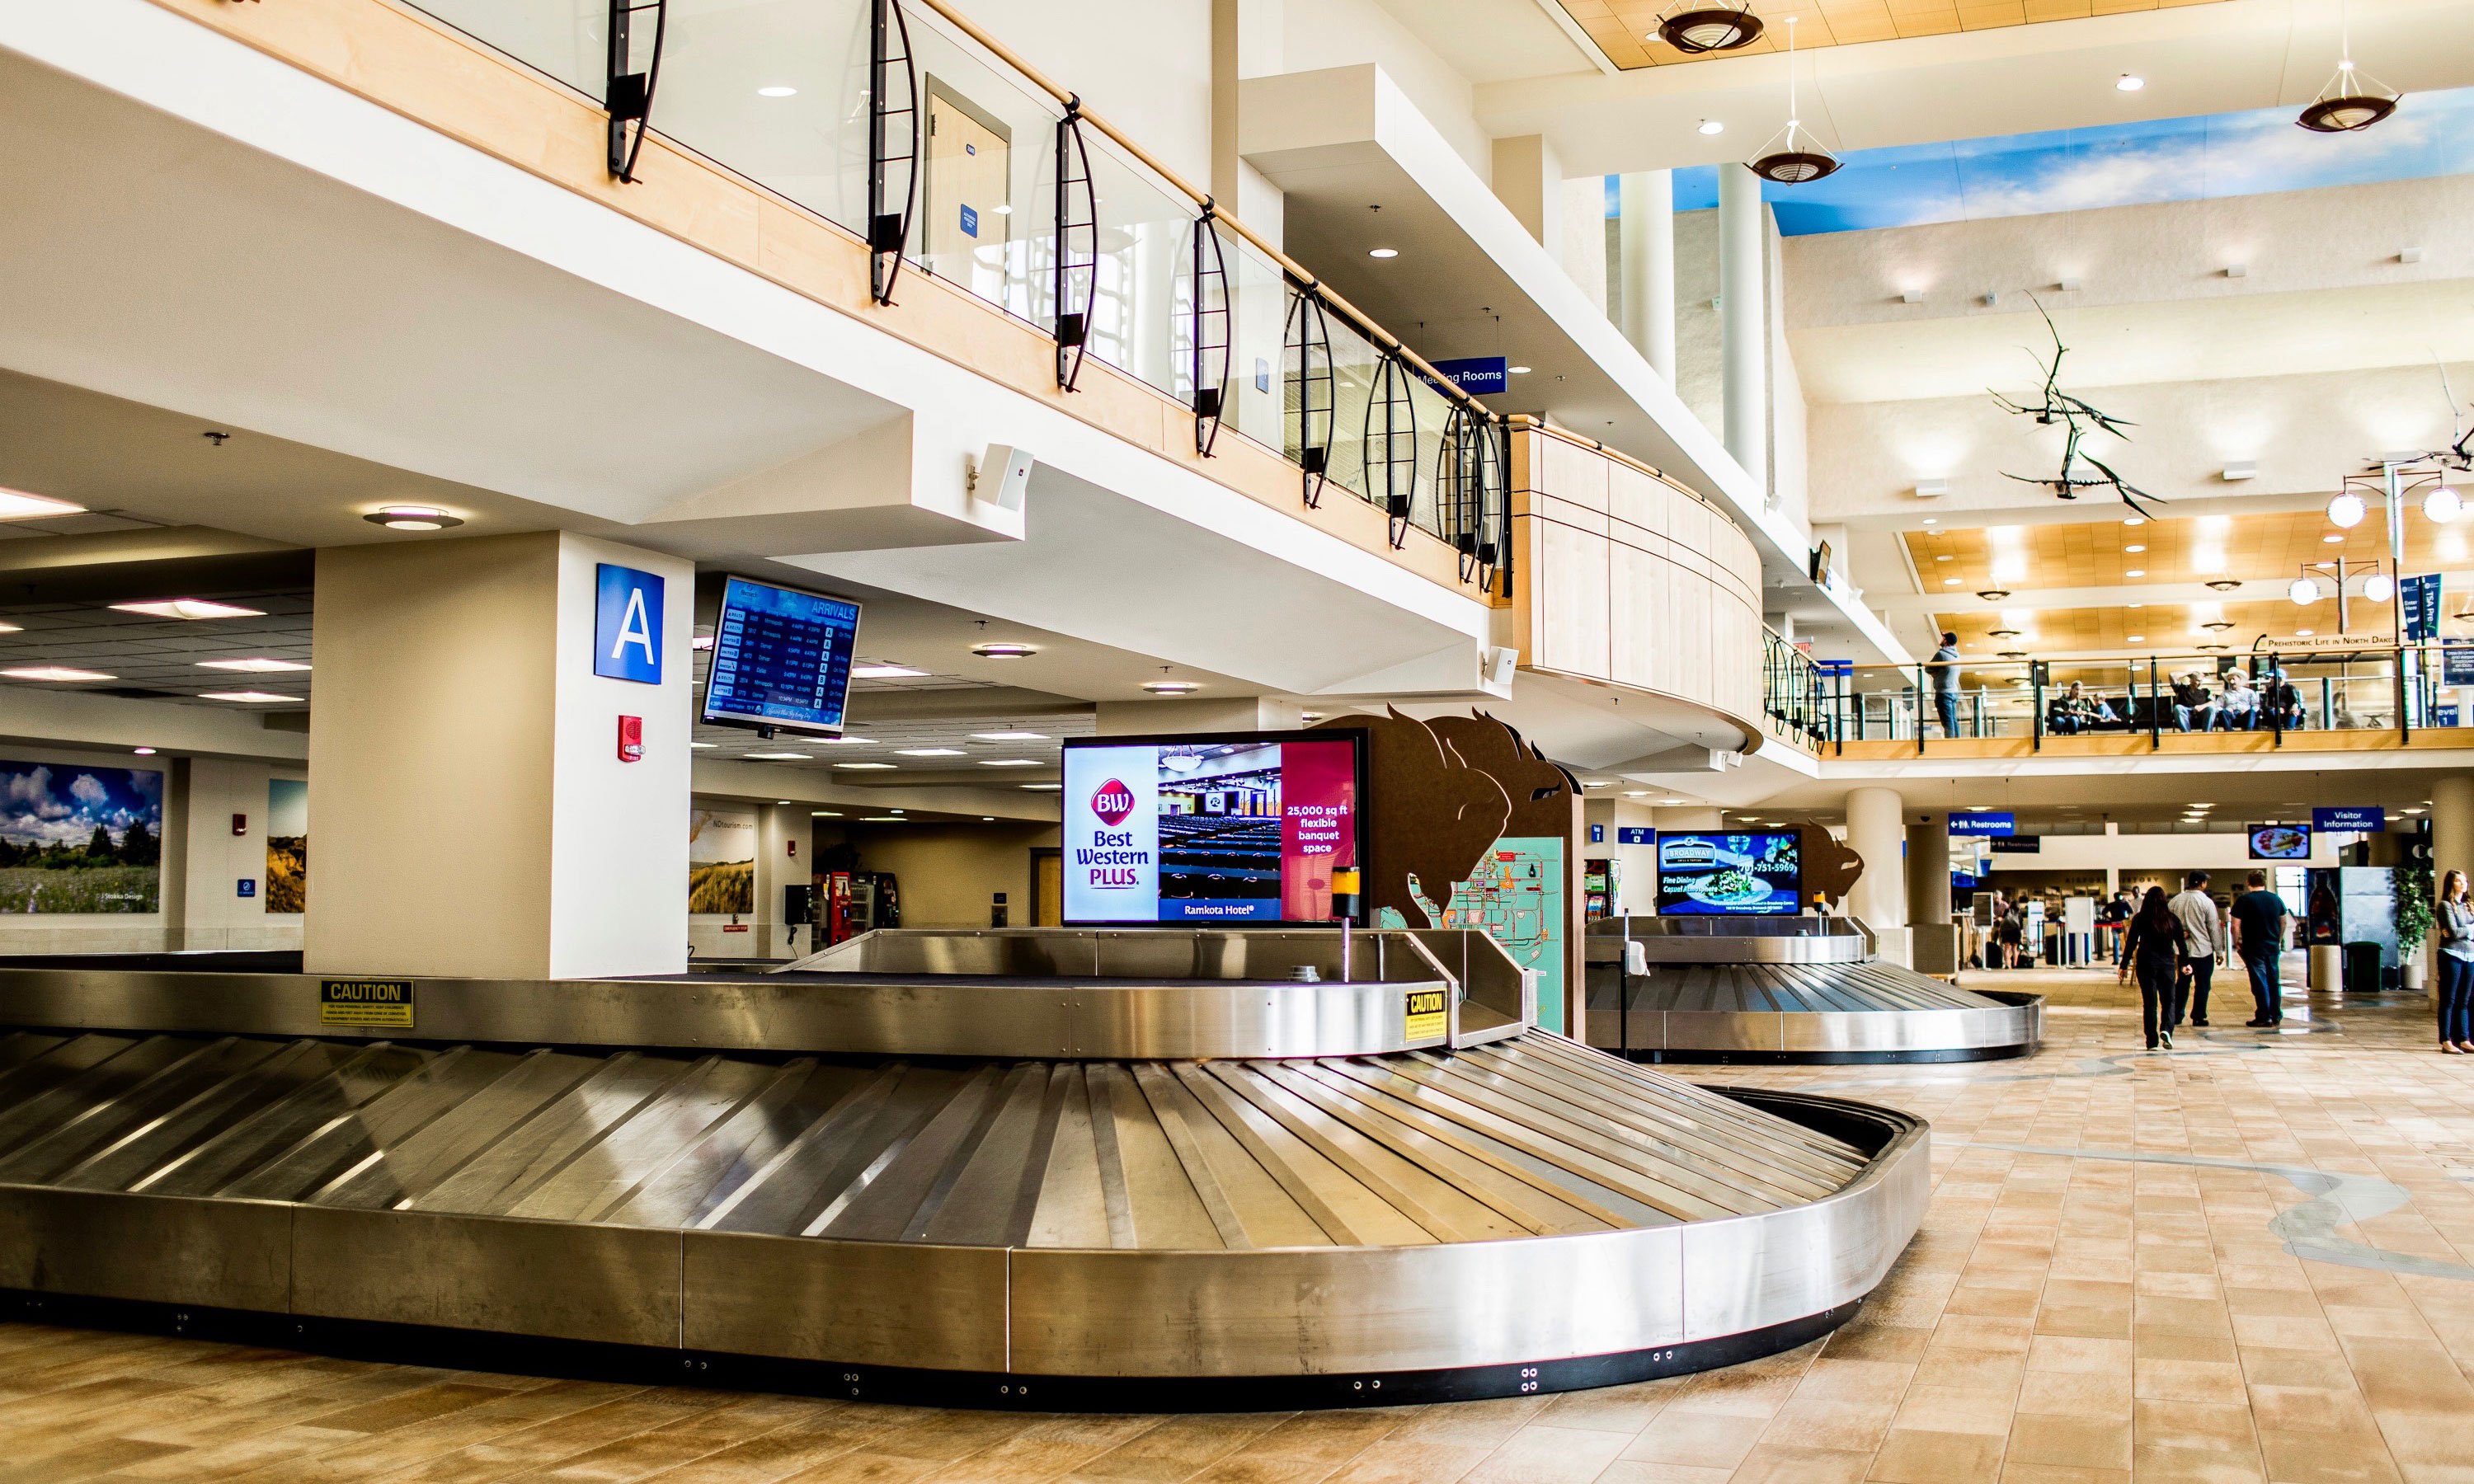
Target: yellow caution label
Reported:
[(1425, 1019), (366, 1004)]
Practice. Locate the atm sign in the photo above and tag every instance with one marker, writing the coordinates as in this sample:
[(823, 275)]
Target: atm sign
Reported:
[(366, 1004)]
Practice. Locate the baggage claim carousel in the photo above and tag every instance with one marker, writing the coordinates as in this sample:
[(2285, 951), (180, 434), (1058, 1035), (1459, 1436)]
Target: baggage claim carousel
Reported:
[(1048, 1169)]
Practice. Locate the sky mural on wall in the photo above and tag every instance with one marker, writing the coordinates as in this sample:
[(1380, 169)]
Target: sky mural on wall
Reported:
[(2119, 165)]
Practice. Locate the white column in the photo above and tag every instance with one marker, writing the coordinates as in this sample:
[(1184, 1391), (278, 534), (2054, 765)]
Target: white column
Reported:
[(1877, 831), (2452, 825), (473, 816), (1932, 947), (1743, 354), (1645, 252), (1529, 180)]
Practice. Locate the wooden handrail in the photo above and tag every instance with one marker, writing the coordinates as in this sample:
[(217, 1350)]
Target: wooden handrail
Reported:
[(1521, 420), (1288, 265)]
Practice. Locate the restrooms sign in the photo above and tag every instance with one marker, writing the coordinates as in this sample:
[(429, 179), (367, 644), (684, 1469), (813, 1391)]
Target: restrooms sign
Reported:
[(1111, 834)]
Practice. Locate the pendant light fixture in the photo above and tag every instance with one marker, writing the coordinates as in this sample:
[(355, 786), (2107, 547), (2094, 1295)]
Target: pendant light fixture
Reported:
[(1787, 164), (2350, 100), (1710, 28)]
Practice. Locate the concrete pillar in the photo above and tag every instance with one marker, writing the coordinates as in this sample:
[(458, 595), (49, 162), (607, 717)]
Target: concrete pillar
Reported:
[(1529, 179), (474, 818), (1877, 831), (1932, 943), (1742, 349), (1645, 252), (2452, 825), (1246, 41)]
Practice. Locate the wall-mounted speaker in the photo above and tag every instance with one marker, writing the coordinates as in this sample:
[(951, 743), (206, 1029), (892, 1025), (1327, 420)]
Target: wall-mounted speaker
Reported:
[(1003, 477)]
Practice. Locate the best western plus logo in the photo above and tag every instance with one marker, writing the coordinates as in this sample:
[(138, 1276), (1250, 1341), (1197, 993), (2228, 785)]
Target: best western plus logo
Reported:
[(1113, 802)]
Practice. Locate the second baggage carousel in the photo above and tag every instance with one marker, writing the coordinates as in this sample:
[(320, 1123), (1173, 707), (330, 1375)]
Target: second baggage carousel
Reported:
[(1040, 1169), (1785, 988)]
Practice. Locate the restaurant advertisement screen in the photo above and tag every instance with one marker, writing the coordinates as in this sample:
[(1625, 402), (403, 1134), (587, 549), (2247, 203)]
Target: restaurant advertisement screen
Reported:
[(781, 658), (1755, 873), (2280, 842), (1230, 827)]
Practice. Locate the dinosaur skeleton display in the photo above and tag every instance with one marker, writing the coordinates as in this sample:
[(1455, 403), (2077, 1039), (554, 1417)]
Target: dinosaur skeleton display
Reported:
[(2077, 417)]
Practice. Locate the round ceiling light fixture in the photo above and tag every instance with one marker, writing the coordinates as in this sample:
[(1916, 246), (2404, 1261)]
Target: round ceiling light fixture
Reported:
[(1383, 253), (2347, 509), (1710, 125), (2349, 102), (2379, 588), (2218, 625), (2304, 590), (1004, 651), (1789, 164), (1710, 28), (2013, 653), (1994, 594), (412, 518), (1171, 687), (2223, 584), (2129, 82), (2005, 634), (2442, 505)]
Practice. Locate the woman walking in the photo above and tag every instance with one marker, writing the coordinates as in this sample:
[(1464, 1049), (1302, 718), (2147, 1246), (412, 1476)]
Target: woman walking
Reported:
[(2154, 947), (2456, 967)]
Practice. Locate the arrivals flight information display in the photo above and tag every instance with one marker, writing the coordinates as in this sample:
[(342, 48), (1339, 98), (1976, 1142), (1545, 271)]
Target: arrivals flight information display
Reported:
[(781, 658), (1228, 828)]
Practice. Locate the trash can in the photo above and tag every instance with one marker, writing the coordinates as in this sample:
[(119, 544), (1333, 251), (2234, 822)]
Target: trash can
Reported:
[(2327, 967), (2362, 968)]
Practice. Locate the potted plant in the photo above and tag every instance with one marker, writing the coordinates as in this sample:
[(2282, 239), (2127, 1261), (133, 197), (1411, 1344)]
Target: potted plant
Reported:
[(2412, 884)]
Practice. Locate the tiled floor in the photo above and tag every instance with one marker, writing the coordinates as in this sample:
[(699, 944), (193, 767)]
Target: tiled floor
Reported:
[(2250, 1260)]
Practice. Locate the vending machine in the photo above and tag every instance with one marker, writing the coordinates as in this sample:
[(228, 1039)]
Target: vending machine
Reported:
[(1601, 887)]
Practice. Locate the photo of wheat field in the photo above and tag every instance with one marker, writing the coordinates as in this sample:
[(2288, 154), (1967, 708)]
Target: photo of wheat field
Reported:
[(721, 861), (287, 845), (80, 840)]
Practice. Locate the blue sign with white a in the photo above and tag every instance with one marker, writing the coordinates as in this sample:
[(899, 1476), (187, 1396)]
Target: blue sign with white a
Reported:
[(1983, 823), (1636, 834), (2368, 818), (970, 220), (1478, 374), (627, 623), (2420, 597)]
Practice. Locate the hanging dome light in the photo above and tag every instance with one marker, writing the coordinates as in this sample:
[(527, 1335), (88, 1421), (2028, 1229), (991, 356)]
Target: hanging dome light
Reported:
[(2304, 591), (2349, 102), (2379, 588), (1710, 28), (1789, 164), (2442, 505), (2347, 509)]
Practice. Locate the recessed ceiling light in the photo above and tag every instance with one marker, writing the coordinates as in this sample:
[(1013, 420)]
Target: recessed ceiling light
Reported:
[(928, 752), (1383, 253), (1710, 125), (2134, 548), (2306, 633), (825, 814), (882, 672), (1950, 582), (779, 756), (847, 740), (2416, 810), (1932, 520), (864, 767), (1042, 788), (2135, 520), (1004, 651), (777, 91), (2137, 605), (18, 505), (1520, 371), (252, 696), (2129, 82), (254, 665), (412, 518), (9, 628), (1010, 737), (188, 608), (144, 751), (2137, 571), (2332, 540), (1945, 557), (782, 802), (61, 673), (883, 819), (987, 818), (2135, 639), (702, 745), (1008, 762), (1171, 687)]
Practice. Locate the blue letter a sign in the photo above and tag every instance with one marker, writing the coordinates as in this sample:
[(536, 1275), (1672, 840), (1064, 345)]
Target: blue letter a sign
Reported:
[(627, 623)]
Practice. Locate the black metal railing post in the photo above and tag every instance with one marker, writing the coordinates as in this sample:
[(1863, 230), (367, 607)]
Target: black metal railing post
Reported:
[(627, 92), (1921, 703), (1075, 269), (889, 221), (2404, 722), (2156, 708), (1210, 281)]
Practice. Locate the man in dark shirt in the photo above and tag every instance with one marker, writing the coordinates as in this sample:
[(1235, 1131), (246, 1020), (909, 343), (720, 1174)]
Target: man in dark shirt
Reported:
[(2259, 936)]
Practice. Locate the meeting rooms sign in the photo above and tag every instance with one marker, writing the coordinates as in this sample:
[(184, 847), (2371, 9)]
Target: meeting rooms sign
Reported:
[(1112, 835)]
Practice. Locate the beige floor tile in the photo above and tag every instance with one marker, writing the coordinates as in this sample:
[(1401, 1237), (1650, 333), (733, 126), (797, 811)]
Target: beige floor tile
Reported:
[(2074, 1442), (2077, 1393), (1912, 1455)]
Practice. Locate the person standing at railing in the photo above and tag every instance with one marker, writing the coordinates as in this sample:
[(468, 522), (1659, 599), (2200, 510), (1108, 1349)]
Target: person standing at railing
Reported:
[(2197, 911), (2153, 948), (2237, 710), (2456, 967), (2258, 926), (2191, 702), (1944, 670)]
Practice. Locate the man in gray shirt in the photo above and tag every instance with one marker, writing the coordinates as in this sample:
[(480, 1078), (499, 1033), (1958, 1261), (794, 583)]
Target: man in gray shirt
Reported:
[(2196, 912), (1943, 667)]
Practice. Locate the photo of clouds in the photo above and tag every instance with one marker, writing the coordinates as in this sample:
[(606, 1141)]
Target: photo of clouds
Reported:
[(80, 840)]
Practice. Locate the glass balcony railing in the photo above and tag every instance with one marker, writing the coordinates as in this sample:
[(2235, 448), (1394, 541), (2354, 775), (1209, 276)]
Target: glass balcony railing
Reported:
[(2163, 699), (906, 125)]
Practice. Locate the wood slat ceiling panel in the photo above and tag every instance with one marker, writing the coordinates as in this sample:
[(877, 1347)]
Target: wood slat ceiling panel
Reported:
[(1622, 28)]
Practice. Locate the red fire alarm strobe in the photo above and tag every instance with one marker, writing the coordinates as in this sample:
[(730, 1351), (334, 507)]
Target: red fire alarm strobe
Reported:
[(631, 739), (794, 848), (240, 823)]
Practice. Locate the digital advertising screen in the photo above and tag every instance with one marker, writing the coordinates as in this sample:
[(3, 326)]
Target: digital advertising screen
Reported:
[(781, 658), (1759, 872), (1230, 827), (2280, 842)]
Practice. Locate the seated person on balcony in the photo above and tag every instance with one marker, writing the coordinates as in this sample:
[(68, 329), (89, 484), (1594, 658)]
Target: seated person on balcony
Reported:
[(2191, 702), (2075, 710), (2280, 704), (2237, 708)]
